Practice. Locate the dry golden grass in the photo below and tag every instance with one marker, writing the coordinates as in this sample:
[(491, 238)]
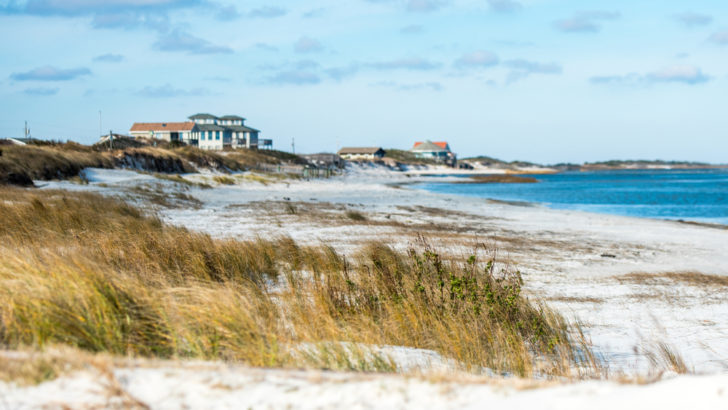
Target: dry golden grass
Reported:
[(179, 179), (576, 299), (95, 273), (46, 163), (19, 165), (688, 278), (663, 357), (223, 180)]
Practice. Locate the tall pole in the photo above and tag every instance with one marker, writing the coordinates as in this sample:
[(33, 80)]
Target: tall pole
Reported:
[(293, 145), (25, 130)]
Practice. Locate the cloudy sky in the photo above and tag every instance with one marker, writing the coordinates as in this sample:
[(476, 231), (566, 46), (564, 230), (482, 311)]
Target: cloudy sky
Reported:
[(541, 80)]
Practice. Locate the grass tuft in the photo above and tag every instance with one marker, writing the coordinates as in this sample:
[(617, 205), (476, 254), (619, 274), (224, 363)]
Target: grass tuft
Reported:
[(355, 216), (223, 180)]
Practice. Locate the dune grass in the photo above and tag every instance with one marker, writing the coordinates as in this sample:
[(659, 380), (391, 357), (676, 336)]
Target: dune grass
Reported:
[(95, 273), (48, 160), (45, 163), (224, 180)]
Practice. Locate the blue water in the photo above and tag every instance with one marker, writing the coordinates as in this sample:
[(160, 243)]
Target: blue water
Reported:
[(693, 195)]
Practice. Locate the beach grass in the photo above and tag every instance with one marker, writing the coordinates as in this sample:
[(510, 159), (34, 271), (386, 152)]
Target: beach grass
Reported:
[(89, 272), (48, 160), (27, 163), (223, 180)]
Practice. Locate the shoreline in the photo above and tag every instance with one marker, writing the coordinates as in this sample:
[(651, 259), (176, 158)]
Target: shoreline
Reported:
[(431, 184)]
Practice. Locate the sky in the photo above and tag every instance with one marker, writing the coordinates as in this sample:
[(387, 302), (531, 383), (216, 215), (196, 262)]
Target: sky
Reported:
[(547, 81)]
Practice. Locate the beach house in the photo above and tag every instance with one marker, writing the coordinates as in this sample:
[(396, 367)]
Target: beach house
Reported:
[(206, 131), (437, 151), (362, 153), (168, 131)]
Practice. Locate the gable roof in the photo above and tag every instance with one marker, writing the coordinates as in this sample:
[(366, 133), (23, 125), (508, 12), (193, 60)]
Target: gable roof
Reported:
[(360, 150), (210, 127), (431, 146), (231, 117), (240, 128), (202, 116), (162, 126)]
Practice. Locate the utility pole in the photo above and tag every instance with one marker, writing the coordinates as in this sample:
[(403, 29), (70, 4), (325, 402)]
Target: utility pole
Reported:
[(293, 145), (25, 130), (111, 140)]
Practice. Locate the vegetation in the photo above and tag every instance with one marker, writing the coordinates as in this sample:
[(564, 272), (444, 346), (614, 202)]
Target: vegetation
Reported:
[(95, 273), (22, 164), (223, 180), (355, 216), (407, 157), (46, 160)]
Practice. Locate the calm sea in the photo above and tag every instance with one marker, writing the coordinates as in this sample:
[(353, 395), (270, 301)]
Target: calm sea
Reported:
[(693, 195)]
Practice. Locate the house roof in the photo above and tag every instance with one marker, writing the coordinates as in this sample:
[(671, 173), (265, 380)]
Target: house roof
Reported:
[(359, 150), (162, 126), (431, 146), (202, 116), (210, 127), (240, 128), (231, 117)]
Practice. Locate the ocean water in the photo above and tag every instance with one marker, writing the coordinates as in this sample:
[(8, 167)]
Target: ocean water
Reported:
[(691, 195)]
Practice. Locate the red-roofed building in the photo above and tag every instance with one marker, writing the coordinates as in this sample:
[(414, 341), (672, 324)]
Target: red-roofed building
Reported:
[(437, 151), (442, 144), (168, 131)]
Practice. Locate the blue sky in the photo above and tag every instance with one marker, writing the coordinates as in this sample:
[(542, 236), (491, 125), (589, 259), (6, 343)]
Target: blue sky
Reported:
[(541, 80)]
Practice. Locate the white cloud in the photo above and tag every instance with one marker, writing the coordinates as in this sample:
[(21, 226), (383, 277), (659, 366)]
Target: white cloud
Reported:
[(85, 7), (295, 77), (168, 91), (691, 19), (586, 21), (431, 86), (307, 45), (412, 29), (720, 38), (41, 91), (504, 6), (683, 74), (181, 41), (268, 12), (50, 73), (521, 69), (424, 5), (679, 74), (479, 58), (109, 58)]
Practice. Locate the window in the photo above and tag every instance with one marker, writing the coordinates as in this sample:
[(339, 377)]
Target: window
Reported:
[(217, 135)]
